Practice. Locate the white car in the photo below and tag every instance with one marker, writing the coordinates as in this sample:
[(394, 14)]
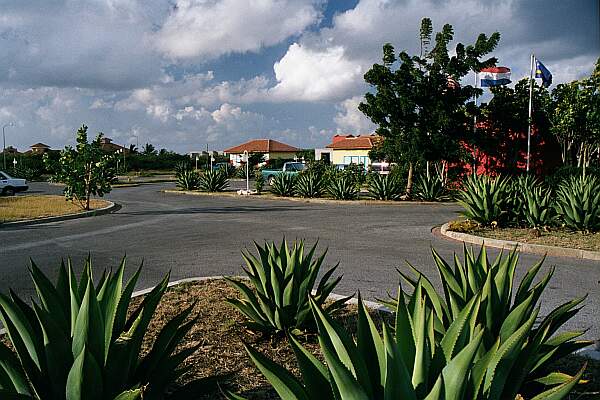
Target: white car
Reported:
[(9, 185)]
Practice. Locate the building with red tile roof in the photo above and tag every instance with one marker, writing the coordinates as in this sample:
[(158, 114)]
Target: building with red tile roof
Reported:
[(271, 149), (350, 149)]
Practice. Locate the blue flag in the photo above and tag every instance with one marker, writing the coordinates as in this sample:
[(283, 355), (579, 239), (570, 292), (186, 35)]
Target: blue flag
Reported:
[(542, 72)]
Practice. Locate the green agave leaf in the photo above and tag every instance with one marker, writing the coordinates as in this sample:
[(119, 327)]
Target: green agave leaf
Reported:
[(284, 383), (12, 376), (48, 296), (84, 381), (134, 394), (314, 373), (397, 379), (371, 347), (455, 374), (561, 391)]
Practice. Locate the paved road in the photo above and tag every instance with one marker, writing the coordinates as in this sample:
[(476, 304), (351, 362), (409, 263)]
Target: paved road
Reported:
[(201, 235)]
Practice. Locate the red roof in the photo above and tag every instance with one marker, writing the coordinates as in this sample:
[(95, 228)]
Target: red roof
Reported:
[(365, 142), (40, 145), (262, 146)]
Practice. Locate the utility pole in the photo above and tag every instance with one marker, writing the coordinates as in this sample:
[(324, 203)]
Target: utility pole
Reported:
[(4, 142)]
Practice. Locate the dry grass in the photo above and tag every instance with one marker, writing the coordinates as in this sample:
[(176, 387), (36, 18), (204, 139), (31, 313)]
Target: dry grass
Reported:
[(30, 207), (551, 237)]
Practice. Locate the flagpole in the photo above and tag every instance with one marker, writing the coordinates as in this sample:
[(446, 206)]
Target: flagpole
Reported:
[(475, 127), (530, 111)]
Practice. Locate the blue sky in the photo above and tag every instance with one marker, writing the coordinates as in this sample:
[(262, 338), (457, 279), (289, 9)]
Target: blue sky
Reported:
[(182, 74)]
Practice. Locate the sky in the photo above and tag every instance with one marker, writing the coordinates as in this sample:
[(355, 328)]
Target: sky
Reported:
[(184, 74)]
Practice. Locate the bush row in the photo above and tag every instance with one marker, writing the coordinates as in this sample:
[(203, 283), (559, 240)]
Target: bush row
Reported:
[(527, 202)]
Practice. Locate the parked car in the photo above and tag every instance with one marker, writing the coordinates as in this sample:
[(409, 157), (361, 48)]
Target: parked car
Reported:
[(220, 165), (9, 185), (291, 167), (382, 168)]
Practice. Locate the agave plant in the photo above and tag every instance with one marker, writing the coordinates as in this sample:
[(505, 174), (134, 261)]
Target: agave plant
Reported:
[(384, 187), (77, 342), (214, 181), (515, 198), (578, 203), (503, 311), (188, 179), (310, 184), (484, 199), (283, 184), (430, 189), (538, 207), (282, 278), (342, 187), (412, 360)]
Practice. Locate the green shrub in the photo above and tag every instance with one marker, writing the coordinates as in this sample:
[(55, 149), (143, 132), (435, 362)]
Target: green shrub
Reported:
[(28, 173), (430, 189), (505, 311), (484, 199), (538, 207), (240, 172), (281, 279), (259, 180), (356, 173), (186, 177), (438, 346), (578, 203), (77, 342), (310, 184), (342, 187), (214, 181), (567, 172), (283, 184), (384, 187), (515, 198)]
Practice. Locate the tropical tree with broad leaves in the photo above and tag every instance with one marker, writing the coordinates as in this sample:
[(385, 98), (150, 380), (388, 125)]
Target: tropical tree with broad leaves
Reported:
[(421, 110)]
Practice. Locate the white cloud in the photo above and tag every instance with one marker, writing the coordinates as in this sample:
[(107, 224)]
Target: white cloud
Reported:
[(349, 120), (210, 28), (311, 75)]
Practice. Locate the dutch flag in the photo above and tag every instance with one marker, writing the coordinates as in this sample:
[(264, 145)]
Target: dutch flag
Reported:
[(494, 76)]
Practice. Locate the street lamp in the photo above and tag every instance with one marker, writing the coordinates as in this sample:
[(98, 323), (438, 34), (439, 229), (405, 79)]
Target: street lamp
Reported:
[(4, 142)]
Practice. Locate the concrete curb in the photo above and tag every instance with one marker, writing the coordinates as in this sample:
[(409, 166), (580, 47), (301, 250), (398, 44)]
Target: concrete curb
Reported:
[(524, 247), (112, 207), (305, 200)]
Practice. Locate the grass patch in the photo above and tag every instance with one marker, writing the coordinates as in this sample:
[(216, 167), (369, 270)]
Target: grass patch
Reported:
[(551, 237), (30, 207)]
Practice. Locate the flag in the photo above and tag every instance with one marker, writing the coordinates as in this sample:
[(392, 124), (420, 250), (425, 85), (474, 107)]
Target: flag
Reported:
[(494, 76), (542, 72)]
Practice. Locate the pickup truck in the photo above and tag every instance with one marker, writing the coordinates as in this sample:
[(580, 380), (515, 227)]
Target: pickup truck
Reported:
[(292, 168), (9, 185)]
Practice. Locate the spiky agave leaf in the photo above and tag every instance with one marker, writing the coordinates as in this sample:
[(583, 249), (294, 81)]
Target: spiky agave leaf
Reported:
[(384, 187), (281, 277), (77, 341)]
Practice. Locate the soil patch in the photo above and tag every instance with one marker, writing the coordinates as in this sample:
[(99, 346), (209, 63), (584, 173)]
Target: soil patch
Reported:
[(551, 237)]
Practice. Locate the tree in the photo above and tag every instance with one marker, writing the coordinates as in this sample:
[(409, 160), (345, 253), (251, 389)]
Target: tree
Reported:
[(576, 118), (421, 111), (503, 136), (133, 148), (149, 150), (85, 170)]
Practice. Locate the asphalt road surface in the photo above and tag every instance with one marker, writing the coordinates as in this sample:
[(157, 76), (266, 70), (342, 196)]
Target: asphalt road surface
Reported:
[(203, 235)]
